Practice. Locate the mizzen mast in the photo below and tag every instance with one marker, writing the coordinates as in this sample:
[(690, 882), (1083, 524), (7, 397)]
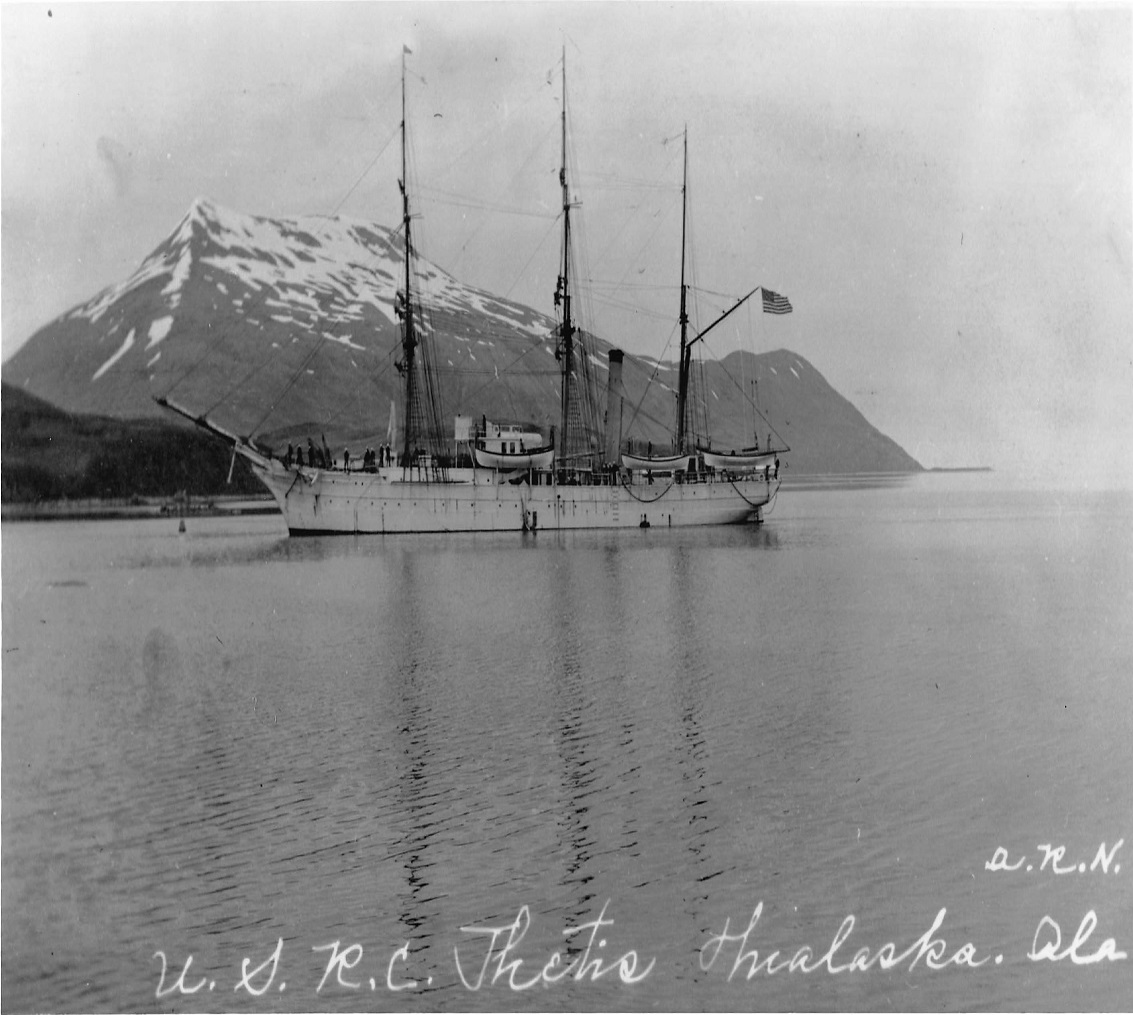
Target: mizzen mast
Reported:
[(686, 352)]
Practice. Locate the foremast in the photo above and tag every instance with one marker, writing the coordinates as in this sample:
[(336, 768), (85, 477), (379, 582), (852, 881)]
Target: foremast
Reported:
[(422, 444), (565, 348)]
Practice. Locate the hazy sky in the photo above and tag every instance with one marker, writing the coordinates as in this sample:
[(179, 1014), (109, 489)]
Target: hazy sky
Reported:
[(943, 191)]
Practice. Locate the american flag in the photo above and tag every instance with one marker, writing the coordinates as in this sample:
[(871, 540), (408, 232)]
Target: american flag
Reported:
[(773, 303)]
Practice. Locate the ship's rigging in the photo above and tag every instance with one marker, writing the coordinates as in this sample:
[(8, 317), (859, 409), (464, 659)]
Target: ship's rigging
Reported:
[(579, 429), (424, 437), (509, 477), (426, 384)]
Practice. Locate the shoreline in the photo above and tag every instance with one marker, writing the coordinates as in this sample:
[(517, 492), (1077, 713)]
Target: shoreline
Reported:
[(98, 508)]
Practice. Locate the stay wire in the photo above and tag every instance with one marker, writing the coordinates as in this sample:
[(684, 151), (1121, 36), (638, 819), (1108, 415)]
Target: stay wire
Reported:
[(225, 333), (649, 383), (755, 408)]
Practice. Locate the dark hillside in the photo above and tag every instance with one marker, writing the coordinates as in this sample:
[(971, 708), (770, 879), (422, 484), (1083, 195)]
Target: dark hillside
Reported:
[(47, 454)]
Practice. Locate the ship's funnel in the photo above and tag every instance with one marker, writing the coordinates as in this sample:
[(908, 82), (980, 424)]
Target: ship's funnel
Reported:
[(615, 398)]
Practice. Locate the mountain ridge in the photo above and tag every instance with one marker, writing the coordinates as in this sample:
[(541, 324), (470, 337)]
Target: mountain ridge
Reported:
[(50, 454), (273, 326)]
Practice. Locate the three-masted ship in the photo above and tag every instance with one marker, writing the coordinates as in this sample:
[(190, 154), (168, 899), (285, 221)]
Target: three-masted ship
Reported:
[(484, 481)]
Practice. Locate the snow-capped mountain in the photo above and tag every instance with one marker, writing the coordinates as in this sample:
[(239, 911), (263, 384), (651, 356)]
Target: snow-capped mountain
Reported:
[(230, 297), (287, 326)]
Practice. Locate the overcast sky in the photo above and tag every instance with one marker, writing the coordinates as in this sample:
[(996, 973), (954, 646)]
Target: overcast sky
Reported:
[(943, 192)]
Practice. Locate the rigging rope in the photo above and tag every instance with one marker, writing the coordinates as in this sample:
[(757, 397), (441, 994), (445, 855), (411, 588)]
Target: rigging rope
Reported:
[(649, 500), (537, 249), (755, 408), (223, 334), (459, 201), (649, 383)]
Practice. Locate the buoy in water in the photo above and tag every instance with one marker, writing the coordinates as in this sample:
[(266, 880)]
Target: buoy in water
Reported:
[(181, 525)]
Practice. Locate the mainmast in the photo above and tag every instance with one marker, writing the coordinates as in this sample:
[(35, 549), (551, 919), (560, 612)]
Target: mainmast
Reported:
[(405, 298), (562, 292), (686, 354)]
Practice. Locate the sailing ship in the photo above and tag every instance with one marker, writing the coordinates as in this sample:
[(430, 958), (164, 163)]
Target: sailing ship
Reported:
[(501, 477)]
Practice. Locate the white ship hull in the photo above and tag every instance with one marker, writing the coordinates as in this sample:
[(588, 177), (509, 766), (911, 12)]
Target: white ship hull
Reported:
[(315, 502)]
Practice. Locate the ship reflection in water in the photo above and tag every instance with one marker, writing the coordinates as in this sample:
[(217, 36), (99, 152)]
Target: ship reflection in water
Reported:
[(572, 770)]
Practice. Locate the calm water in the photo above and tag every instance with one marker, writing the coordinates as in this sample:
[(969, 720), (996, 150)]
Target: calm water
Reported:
[(426, 760)]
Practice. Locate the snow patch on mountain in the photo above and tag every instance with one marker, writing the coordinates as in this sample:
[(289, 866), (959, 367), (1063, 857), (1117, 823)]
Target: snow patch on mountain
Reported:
[(465, 299), (345, 340), (122, 350), (306, 261), (173, 259), (180, 276), (158, 330), (153, 267)]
